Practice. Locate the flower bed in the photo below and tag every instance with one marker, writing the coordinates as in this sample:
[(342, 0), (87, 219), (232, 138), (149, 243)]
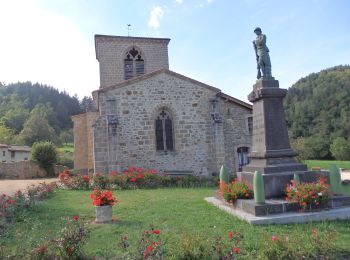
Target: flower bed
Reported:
[(133, 178), (236, 190), (309, 195), (12, 206)]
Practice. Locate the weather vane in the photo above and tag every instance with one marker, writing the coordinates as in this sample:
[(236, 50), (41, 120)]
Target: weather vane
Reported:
[(128, 29)]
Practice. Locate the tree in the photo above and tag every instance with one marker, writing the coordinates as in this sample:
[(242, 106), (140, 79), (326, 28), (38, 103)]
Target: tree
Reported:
[(67, 136), (340, 149), (45, 154), (6, 134), (37, 128)]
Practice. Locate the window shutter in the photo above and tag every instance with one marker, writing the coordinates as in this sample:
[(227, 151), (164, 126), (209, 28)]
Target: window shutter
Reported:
[(128, 68), (140, 67), (159, 135), (169, 134)]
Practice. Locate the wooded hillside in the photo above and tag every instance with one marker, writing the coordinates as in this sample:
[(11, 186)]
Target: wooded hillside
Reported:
[(33, 112), (318, 114)]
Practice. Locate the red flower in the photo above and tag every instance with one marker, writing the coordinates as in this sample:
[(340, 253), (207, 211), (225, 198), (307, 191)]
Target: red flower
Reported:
[(86, 178), (69, 251), (149, 248), (314, 232), (274, 238), (134, 179), (236, 250), (113, 173), (132, 169), (230, 235), (156, 232), (140, 176), (75, 217)]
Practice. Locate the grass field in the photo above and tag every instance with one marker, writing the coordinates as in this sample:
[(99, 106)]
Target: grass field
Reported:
[(326, 164), (177, 213), (67, 148)]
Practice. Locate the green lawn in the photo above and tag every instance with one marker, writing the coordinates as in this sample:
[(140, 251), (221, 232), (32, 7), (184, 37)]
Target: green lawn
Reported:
[(67, 148), (175, 212), (326, 164)]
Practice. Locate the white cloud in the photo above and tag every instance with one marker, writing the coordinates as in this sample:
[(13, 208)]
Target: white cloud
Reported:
[(156, 15), (210, 1), (41, 46), (179, 1)]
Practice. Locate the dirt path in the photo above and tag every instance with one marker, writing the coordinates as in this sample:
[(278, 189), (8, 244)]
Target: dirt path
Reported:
[(9, 187)]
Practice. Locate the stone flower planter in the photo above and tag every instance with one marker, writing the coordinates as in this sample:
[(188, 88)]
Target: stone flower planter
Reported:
[(103, 214)]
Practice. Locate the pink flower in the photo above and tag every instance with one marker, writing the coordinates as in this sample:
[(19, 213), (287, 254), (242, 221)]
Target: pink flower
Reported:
[(274, 238), (236, 250), (230, 235), (134, 179), (75, 217)]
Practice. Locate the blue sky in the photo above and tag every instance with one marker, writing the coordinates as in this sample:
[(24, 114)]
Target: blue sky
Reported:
[(51, 41)]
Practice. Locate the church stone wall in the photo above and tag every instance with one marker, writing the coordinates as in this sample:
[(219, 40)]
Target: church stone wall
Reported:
[(201, 144), (137, 107), (83, 140), (236, 133), (110, 53)]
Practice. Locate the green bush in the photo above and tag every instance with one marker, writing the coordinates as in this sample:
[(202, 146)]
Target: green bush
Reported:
[(340, 149), (45, 154)]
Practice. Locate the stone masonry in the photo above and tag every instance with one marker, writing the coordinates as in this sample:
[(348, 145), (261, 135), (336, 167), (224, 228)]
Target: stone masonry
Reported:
[(110, 51), (208, 125)]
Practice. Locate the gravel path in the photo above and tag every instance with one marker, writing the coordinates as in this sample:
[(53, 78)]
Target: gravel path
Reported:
[(9, 187)]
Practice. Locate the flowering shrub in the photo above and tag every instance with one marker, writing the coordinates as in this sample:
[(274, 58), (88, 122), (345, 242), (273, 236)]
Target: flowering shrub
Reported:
[(318, 245), (103, 198), (150, 245), (309, 195), (237, 190), (228, 251), (133, 178), (71, 238)]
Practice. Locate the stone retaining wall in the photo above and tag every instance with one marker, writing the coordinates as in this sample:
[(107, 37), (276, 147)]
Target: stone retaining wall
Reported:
[(24, 170)]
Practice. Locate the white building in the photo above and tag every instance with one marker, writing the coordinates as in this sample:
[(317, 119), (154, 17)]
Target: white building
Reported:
[(14, 153)]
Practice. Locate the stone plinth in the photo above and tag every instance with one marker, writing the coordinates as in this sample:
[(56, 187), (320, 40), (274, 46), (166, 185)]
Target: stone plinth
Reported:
[(271, 153), (275, 183)]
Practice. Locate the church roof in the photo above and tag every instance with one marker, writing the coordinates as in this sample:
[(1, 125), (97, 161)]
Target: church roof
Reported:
[(175, 74)]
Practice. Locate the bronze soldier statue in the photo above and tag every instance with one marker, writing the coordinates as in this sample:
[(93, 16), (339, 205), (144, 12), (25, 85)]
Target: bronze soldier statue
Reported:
[(262, 54)]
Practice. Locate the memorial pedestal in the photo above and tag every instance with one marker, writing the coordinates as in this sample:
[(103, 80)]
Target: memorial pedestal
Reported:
[(271, 153)]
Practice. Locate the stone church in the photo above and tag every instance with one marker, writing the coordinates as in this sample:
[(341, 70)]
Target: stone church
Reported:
[(149, 116)]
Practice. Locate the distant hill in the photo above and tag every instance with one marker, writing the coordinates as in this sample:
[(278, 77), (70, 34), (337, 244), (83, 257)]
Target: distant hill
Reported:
[(27, 105), (318, 106)]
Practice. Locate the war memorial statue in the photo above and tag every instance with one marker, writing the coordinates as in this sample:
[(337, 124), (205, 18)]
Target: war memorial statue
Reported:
[(262, 54)]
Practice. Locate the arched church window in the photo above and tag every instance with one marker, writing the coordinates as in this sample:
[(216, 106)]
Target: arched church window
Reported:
[(164, 132), (134, 65), (243, 159)]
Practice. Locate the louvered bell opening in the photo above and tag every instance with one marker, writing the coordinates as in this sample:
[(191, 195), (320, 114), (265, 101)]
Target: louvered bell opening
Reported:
[(128, 68)]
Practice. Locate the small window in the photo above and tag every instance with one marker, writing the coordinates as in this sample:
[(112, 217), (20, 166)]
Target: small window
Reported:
[(13, 154), (3, 153), (134, 65), (26, 159), (164, 132), (250, 124), (243, 157)]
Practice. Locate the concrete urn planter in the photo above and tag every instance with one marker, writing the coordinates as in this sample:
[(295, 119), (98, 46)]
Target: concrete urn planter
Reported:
[(103, 214)]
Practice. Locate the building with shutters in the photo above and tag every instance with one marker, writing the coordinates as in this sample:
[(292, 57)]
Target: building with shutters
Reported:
[(149, 116)]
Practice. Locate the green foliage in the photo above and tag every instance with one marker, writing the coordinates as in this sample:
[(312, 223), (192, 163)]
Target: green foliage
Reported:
[(45, 154), (6, 134), (340, 148), (318, 105), (36, 129), (237, 190), (20, 101)]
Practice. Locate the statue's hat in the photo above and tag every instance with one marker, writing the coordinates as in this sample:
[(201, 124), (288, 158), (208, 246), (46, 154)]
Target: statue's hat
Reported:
[(257, 29)]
